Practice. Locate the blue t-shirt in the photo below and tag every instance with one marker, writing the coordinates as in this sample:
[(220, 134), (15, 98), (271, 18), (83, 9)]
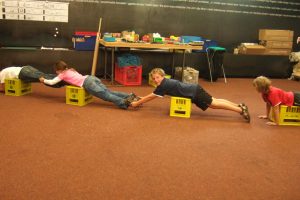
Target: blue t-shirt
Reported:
[(176, 88)]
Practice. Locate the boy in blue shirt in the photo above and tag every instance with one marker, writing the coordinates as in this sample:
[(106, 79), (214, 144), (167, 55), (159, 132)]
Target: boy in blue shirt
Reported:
[(194, 92)]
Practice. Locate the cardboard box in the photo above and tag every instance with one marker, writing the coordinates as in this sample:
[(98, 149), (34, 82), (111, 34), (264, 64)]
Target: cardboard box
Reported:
[(276, 35), (252, 49), (276, 44), (279, 52)]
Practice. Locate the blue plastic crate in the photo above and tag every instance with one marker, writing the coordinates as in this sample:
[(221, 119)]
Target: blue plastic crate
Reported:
[(109, 39), (188, 39), (84, 41), (207, 43)]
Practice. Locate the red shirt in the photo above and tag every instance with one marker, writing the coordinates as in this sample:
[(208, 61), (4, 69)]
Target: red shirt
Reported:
[(277, 96)]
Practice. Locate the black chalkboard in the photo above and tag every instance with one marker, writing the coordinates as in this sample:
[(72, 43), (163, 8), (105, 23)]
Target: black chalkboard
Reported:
[(229, 23)]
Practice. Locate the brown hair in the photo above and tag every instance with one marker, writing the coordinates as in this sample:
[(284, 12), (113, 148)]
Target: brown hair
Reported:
[(159, 71), (262, 84), (60, 65)]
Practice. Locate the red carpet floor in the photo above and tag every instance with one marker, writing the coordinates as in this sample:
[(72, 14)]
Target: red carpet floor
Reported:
[(51, 150)]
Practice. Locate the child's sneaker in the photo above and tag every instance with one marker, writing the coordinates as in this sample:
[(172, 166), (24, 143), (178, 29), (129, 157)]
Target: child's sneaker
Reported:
[(128, 100), (245, 112), (131, 97), (126, 104)]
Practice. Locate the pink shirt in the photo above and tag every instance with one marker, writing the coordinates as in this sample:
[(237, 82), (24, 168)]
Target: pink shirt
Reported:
[(277, 96), (73, 77)]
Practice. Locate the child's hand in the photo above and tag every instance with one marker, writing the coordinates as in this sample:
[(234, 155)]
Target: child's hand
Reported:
[(271, 123), (134, 104), (42, 79), (263, 117)]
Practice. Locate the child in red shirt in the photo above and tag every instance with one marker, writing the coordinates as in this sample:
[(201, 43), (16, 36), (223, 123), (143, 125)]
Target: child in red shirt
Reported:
[(274, 97)]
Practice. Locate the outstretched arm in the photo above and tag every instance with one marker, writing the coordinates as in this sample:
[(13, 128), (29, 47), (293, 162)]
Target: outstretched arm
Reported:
[(50, 81), (144, 99), (275, 110)]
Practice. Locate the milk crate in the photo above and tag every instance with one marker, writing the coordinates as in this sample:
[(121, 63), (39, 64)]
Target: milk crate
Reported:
[(17, 87), (151, 82), (180, 107), (288, 115), (77, 96), (129, 75)]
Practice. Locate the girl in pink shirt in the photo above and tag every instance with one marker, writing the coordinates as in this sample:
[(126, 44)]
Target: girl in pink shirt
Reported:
[(274, 97), (91, 84)]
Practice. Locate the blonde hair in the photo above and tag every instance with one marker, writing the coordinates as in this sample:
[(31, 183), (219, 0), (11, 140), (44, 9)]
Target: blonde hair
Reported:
[(262, 84), (159, 71)]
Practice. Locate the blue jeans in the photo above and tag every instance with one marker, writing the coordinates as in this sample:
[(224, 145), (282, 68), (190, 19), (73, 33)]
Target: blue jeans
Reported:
[(95, 87), (30, 74)]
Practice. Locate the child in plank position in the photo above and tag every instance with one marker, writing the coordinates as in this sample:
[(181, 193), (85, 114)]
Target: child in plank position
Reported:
[(274, 97), (192, 91), (91, 84), (26, 73)]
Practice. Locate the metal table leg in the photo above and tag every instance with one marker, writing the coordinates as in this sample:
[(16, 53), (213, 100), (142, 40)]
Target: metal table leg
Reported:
[(209, 64), (105, 62), (224, 73), (112, 64), (183, 65), (173, 63), (211, 53)]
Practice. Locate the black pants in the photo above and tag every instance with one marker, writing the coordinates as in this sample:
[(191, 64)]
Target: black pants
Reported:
[(296, 98)]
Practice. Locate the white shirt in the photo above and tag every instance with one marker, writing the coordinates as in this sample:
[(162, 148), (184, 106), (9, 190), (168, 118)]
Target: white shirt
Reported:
[(52, 81), (9, 72)]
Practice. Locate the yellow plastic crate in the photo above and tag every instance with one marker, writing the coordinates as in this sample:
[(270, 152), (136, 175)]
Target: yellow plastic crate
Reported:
[(16, 87), (77, 96), (288, 115), (151, 82), (180, 107)]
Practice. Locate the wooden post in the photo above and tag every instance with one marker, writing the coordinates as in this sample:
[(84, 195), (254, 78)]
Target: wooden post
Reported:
[(96, 50)]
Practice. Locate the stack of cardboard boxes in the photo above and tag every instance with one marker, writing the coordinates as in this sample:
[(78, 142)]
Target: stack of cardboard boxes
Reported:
[(277, 42), (271, 42)]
